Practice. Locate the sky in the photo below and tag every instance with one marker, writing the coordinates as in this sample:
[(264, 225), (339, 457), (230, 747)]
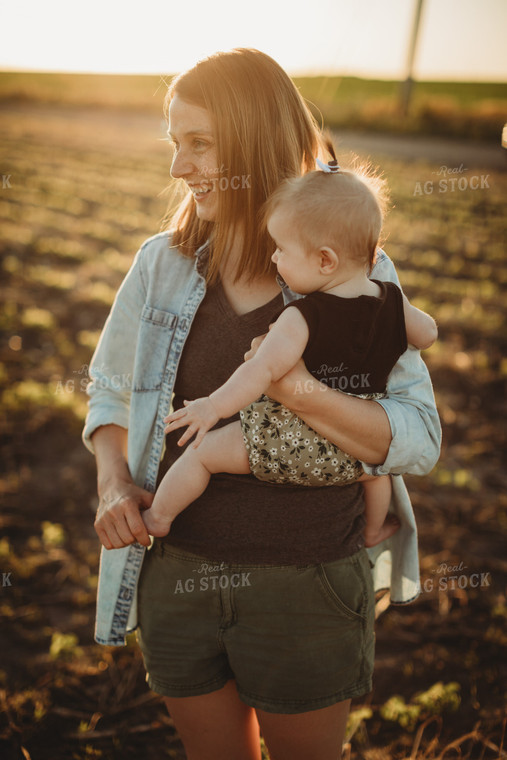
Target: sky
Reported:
[(458, 39)]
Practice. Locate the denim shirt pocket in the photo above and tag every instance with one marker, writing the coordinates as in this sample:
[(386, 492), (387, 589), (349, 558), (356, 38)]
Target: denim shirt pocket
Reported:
[(156, 331)]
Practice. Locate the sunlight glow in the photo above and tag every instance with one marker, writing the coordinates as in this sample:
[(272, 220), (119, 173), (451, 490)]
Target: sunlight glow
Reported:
[(459, 39)]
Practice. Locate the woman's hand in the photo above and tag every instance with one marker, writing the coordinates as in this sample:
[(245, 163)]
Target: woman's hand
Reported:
[(118, 521)]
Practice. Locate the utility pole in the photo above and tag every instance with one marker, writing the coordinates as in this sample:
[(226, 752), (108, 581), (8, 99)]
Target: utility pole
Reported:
[(406, 86)]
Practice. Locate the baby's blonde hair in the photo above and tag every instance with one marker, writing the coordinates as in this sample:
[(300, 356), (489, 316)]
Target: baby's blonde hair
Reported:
[(343, 210)]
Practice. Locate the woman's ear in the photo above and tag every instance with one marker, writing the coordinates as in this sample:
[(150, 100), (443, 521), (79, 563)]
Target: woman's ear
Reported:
[(329, 260)]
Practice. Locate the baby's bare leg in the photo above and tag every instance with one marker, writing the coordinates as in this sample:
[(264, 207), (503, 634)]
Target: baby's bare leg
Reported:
[(221, 450), (377, 497)]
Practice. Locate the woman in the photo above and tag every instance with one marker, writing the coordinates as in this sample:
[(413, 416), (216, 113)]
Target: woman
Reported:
[(257, 609)]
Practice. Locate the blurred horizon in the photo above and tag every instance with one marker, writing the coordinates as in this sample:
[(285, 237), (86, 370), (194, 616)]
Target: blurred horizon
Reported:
[(309, 74)]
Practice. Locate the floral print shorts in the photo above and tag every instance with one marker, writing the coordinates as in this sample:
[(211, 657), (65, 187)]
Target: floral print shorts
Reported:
[(284, 449)]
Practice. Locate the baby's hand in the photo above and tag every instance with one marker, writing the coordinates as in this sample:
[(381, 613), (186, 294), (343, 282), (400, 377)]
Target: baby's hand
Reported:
[(199, 415)]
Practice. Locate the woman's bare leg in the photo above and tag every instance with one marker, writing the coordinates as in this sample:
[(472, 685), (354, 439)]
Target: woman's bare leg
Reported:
[(315, 735), (377, 497), (221, 450), (216, 726)]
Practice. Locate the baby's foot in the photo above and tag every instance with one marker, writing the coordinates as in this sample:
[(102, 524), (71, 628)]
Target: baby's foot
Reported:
[(390, 526), (156, 524)]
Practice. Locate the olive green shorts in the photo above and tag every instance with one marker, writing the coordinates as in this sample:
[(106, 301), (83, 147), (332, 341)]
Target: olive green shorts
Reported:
[(294, 639)]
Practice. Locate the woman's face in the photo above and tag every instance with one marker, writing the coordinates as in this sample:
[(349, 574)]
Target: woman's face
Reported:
[(195, 157)]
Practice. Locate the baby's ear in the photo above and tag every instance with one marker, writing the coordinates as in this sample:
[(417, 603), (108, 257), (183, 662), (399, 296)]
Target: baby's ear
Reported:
[(329, 260)]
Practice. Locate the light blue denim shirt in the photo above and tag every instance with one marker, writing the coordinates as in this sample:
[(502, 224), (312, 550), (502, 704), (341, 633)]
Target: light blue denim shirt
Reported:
[(133, 371)]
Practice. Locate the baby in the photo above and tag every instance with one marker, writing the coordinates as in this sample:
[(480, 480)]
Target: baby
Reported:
[(349, 330)]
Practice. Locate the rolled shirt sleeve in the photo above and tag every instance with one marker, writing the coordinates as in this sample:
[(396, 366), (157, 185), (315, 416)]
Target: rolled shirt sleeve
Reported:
[(410, 407), (112, 364)]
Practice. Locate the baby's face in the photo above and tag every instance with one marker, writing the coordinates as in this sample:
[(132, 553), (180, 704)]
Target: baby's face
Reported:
[(299, 269)]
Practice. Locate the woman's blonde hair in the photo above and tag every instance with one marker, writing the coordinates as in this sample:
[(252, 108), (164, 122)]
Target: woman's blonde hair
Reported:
[(264, 133), (343, 210)]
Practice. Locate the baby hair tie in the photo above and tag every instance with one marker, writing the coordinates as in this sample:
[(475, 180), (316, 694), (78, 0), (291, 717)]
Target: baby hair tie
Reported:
[(331, 168)]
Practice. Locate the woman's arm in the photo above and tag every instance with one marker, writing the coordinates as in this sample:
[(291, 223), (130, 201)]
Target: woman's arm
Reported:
[(355, 425), (111, 367), (118, 521), (398, 434)]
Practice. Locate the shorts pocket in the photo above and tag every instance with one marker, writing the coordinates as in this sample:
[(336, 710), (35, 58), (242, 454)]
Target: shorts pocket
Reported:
[(345, 585), (156, 331)]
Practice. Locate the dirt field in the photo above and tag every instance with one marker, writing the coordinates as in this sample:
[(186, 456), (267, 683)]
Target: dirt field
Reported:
[(80, 191)]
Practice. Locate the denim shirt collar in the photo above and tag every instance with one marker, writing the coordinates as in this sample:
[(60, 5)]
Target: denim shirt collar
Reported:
[(202, 256)]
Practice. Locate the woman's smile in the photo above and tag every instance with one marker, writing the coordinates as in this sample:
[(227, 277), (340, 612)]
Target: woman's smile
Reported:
[(200, 191)]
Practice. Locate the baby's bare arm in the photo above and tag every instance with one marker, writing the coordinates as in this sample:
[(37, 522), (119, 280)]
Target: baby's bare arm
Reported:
[(421, 328), (281, 349), (279, 352)]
